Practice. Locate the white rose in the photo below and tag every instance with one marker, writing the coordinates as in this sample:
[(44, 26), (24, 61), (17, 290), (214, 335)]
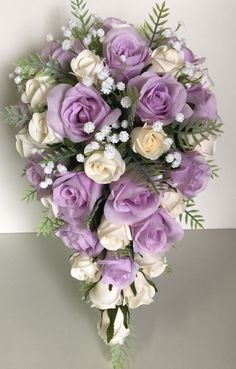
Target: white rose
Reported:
[(50, 205), (148, 143), (83, 268), (103, 298), (103, 170), (36, 91), (113, 237), (173, 203), (39, 130), (24, 144), (120, 331), (207, 147), (152, 265), (144, 293), (87, 64), (166, 60)]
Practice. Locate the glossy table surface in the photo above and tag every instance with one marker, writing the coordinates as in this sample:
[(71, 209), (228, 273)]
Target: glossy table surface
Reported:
[(191, 324)]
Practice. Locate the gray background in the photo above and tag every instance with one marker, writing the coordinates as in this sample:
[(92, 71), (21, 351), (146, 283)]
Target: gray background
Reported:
[(191, 324)]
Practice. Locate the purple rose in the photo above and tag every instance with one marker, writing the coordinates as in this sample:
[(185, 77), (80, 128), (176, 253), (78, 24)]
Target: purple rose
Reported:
[(193, 175), (55, 51), (129, 202), (126, 52), (81, 240), (156, 233), (111, 22), (35, 175), (161, 98), (75, 194), (203, 103), (69, 108), (119, 272)]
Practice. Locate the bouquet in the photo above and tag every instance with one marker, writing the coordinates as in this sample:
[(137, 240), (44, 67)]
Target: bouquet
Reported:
[(117, 125)]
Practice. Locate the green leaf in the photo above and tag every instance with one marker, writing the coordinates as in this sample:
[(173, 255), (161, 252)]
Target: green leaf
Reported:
[(119, 356), (17, 115), (133, 94), (112, 316), (214, 169), (48, 226), (148, 172), (152, 28), (35, 65), (30, 195), (187, 135), (192, 216), (80, 11)]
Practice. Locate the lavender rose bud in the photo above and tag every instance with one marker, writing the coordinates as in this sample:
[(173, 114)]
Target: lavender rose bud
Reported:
[(120, 272), (69, 108), (161, 98), (55, 51), (129, 202), (156, 233), (126, 52), (81, 240), (111, 22), (35, 175), (75, 194), (193, 175), (202, 102)]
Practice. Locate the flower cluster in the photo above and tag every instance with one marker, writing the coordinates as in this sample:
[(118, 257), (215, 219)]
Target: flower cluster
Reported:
[(117, 136)]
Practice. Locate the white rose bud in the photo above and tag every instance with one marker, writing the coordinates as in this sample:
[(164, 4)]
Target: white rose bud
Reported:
[(24, 144), (36, 91), (104, 170), (113, 237), (83, 268), (173, 203), (152, 265), (120, 331), (103, 298), (144, 293), (50, 205), (166, 60), (207, 147), (87, 64), (148, 143), (40, 132)]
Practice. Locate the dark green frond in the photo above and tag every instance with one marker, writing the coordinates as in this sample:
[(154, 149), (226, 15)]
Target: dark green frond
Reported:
[(48, 226), (153, 27), (17, 115), (192, 216)]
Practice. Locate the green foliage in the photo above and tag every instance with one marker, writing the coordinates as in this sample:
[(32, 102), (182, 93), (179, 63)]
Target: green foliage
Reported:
[(16, 115), (187, 135), (119, 356), (35, 65), (147, 172), (214, 169), (48, 226), (80, 11), (61, 154), (30, 194), (93, 219), (133, 94), (86, 287), (153, 27), (192, 216)]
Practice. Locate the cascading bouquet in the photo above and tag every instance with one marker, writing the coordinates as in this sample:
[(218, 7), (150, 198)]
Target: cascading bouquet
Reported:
[(118, 126)]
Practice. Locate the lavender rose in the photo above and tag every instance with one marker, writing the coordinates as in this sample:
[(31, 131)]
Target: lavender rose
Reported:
[(202, 102), (120, 272), (126, 52), (129, 202), (75, 195), (55, 51), (112, 22), (161, 98), (69, 108), (35, 175), (156, 233), (81, 240), (193, 175)]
